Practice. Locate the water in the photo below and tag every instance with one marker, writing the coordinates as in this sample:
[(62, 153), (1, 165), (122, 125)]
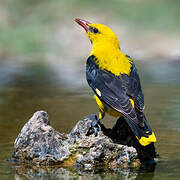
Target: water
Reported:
[(28, 87)]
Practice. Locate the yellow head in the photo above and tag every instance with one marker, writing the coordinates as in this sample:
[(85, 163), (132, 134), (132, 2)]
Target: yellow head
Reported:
[(99, 34), (106, 48)]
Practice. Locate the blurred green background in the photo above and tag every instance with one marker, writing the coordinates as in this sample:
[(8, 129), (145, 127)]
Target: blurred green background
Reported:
[(41, 28), (42, 57), (38, 36)]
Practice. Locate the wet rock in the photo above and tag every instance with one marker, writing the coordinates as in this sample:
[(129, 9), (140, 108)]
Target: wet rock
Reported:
[(100, 150), (40, 144)]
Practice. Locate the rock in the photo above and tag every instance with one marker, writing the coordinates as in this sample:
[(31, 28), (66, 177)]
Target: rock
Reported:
[(40, 144)]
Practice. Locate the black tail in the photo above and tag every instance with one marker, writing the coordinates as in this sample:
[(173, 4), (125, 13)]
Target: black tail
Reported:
[(143, 133), (122, 133)]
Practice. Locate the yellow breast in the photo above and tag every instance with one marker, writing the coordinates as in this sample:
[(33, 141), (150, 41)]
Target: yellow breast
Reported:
[(113, 61)]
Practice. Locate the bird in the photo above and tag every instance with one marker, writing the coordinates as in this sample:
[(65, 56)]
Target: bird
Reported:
[(115, 81)]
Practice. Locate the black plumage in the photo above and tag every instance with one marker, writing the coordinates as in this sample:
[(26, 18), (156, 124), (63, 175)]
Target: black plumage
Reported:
[(116, 92)]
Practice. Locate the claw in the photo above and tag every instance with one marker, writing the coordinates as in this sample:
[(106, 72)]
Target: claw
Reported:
[(94, 129), (95, 123), (95, 126)]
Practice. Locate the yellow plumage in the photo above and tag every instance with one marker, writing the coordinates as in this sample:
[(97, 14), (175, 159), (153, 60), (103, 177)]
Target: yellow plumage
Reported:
[(109, 57), (115, 68), (107, 50)]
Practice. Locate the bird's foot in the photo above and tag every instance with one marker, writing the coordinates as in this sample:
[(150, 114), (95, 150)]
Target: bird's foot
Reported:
[(95, 126)]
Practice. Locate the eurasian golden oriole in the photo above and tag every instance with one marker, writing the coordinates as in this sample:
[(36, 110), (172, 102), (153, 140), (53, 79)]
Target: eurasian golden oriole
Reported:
[(114, 79)]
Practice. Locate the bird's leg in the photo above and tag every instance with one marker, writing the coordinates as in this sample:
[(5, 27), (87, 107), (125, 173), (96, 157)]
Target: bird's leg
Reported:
[(101, 114), (95, 123)]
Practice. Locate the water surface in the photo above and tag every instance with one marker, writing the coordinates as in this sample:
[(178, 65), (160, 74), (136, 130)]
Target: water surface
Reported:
[(28, 87)]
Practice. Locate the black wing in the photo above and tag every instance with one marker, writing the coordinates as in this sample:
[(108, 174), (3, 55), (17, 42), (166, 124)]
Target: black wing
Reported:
[(111, 87), (132, 85), (115, 92)]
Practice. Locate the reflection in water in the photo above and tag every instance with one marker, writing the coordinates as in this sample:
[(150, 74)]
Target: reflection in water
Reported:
[(35, 86), (70, 173)]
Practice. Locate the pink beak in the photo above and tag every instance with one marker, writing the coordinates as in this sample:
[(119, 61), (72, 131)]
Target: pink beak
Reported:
[(83, 23)]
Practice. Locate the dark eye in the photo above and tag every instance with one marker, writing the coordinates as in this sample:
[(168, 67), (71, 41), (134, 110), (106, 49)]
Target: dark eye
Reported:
[(95, 30)]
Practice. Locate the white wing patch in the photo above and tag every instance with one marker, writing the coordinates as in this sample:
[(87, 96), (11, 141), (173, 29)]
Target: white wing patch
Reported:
[(98, 92)]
